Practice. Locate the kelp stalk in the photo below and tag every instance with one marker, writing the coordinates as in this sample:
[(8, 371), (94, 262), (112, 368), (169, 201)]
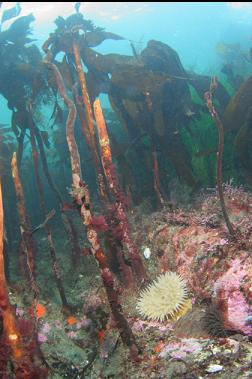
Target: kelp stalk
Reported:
[(55, 264), (20, 146), (157, 184), (114, 186), (91, 137), (25, 228), (12, 339), (12, 334), (68, 223), (209, 101), (81, 195)]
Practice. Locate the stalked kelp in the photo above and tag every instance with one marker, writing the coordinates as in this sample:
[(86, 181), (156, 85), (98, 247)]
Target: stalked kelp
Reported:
[(147, 150), (119, 197), (17, 341), (28, 244), (90, 121), (71, 42), (30, 91), (209, 100), (80, 193), (62, 40), (55, 263)]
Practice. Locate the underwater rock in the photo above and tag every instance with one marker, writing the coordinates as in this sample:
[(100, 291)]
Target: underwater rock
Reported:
[(214, 368), (192, 324), (216, 269), (147, 253), (182, 348), (212, 275), (227, 290)]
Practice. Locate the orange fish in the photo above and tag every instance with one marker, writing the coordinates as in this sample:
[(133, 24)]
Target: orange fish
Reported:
[(40, 310), (71, 320)]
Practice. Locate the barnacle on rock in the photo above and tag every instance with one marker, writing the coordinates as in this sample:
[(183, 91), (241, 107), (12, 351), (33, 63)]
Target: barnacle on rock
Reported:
[(163, 298)]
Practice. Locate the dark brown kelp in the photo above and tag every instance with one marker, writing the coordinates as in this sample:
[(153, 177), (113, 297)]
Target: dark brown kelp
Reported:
[(157, 184), (209, 101)]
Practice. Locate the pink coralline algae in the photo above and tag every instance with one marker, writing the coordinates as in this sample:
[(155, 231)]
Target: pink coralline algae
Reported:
[(179, 350), (20, 312), (227, 290), (232, 279), (93, 302), (46, 328), (85, 323), (238, 311), (142, 325), (42, 337), (192, 245), (215, 271)]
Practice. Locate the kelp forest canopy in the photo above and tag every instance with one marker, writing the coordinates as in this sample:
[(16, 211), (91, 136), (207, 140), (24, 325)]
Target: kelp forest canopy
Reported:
[(157, 107), (66, 153)]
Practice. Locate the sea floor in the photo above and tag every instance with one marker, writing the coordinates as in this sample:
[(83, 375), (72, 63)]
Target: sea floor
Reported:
[(83, 342)]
